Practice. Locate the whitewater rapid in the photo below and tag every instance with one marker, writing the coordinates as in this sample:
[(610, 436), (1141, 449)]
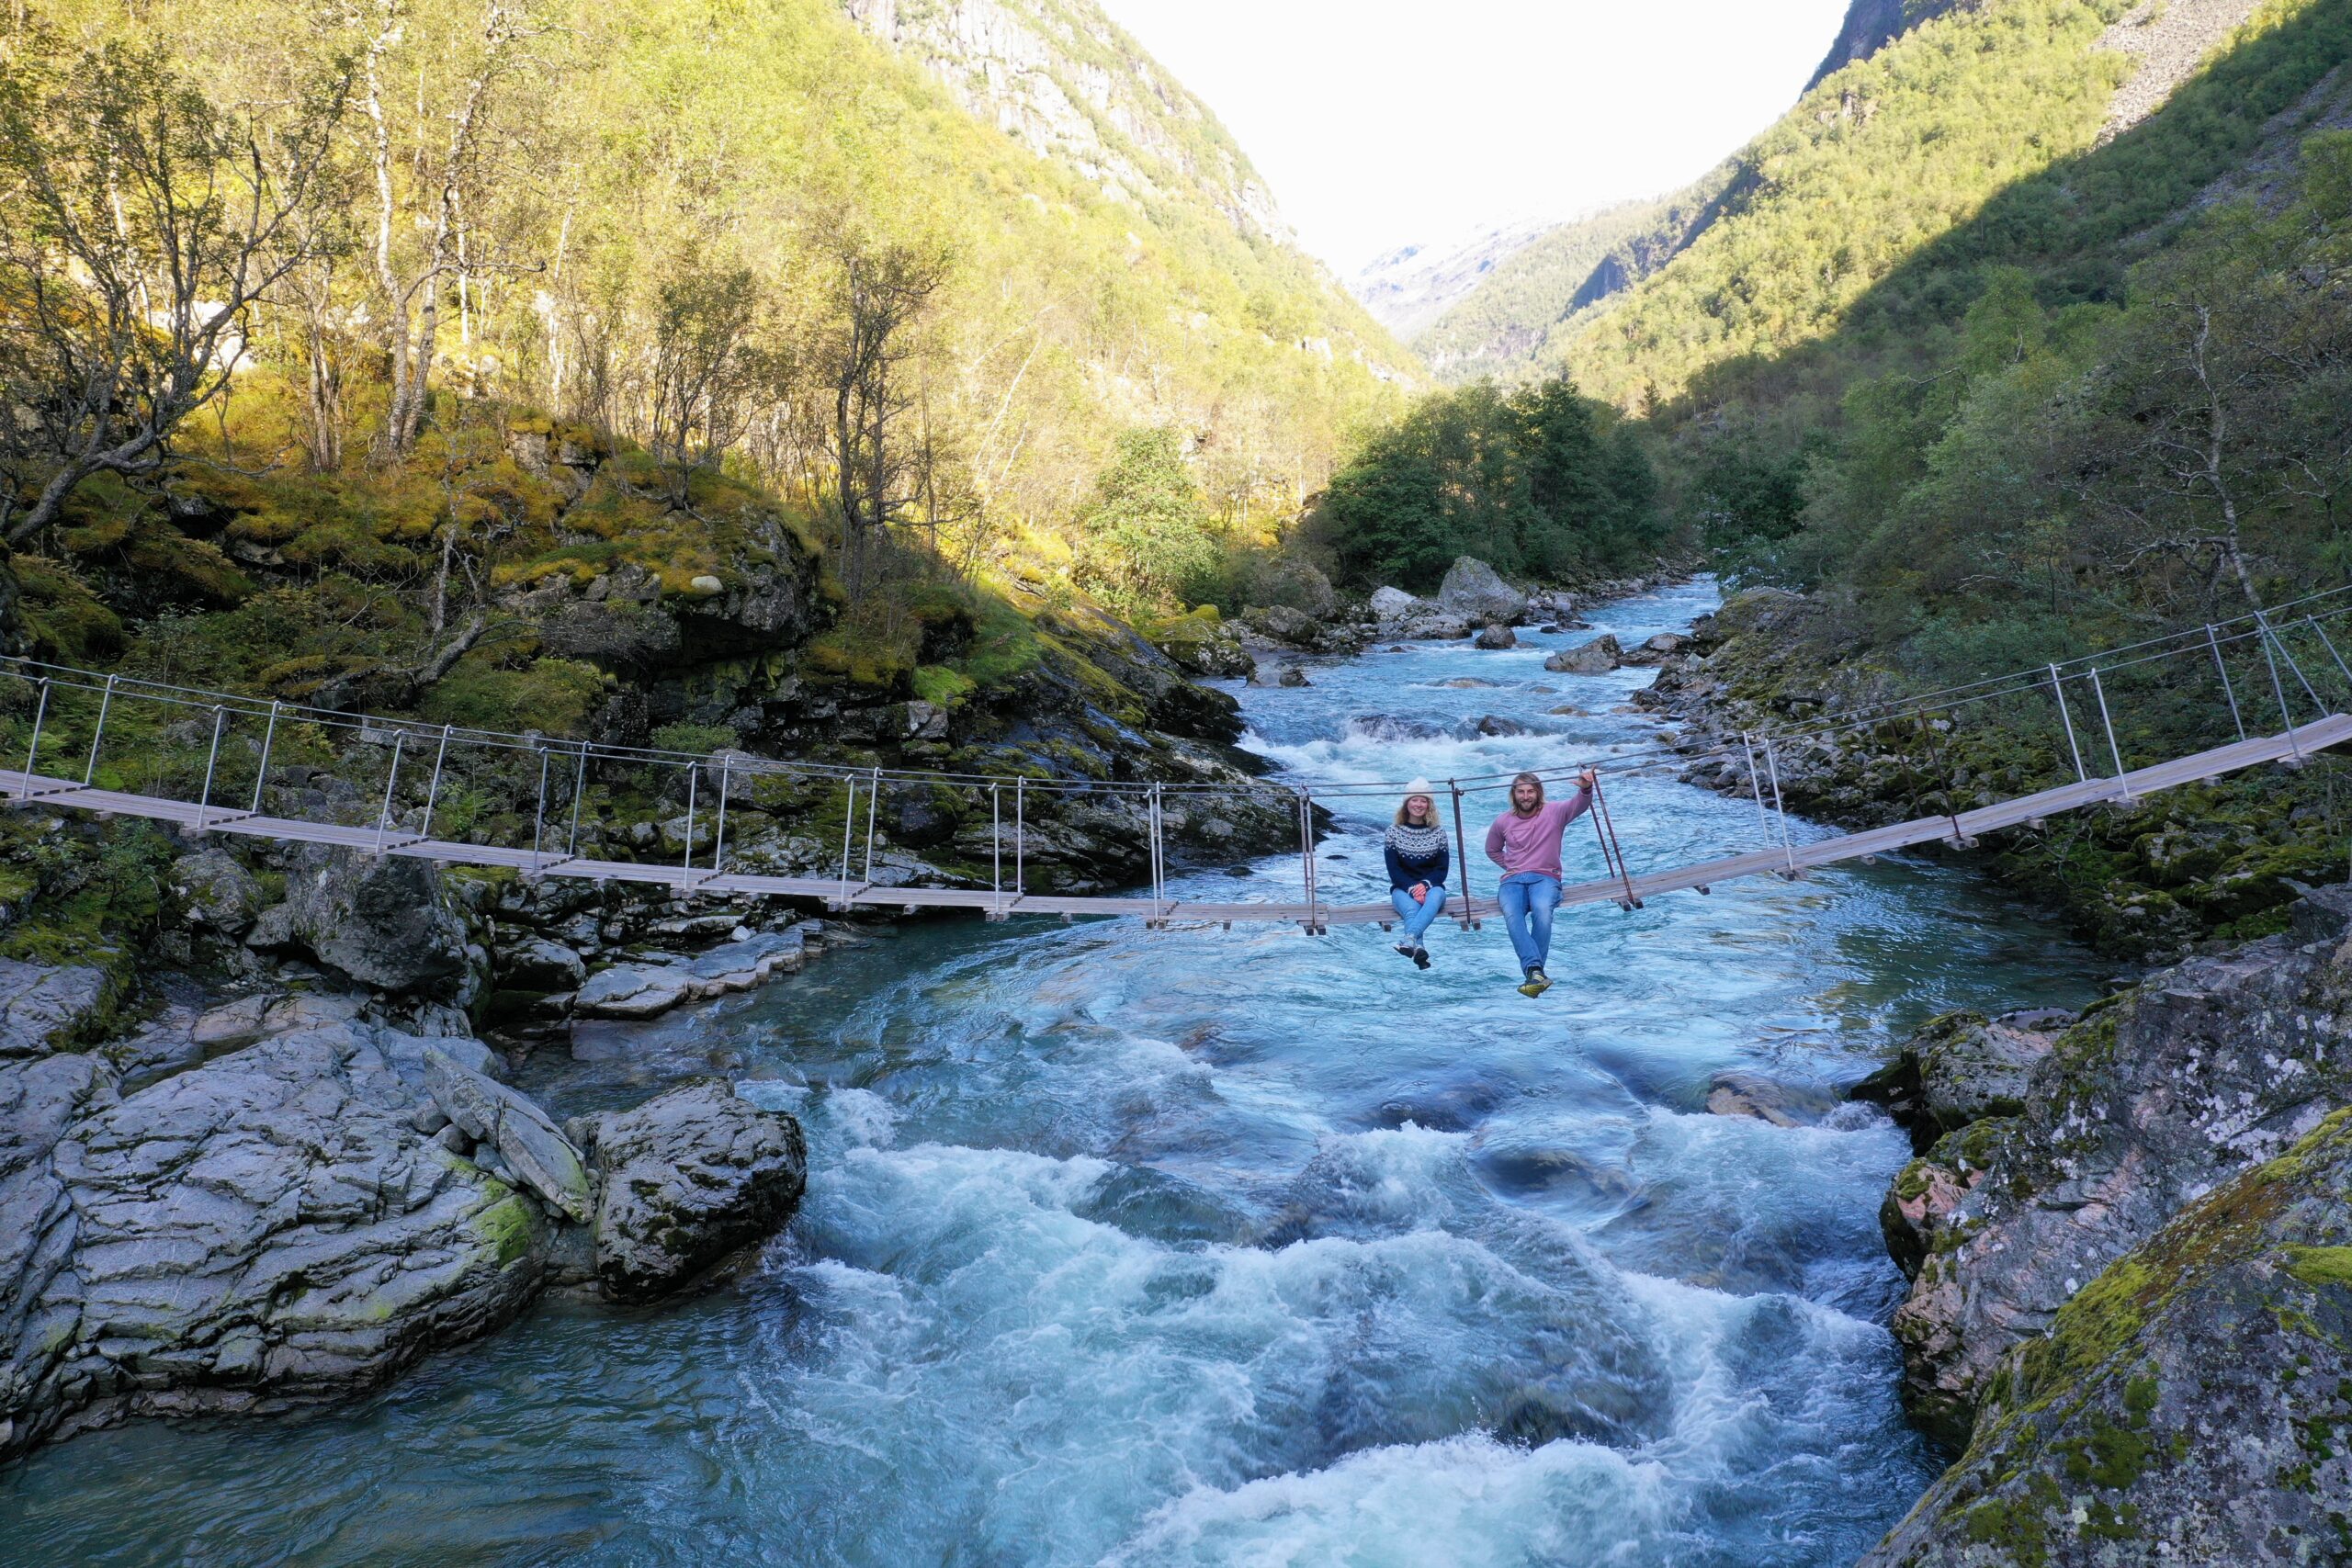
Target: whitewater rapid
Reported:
[(1207, 1247)]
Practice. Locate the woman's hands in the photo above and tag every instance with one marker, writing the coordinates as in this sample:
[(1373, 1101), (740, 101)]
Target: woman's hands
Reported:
[(1420, 892)]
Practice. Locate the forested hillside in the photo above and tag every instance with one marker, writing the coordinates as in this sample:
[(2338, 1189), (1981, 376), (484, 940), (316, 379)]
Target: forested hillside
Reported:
[(307, 306)]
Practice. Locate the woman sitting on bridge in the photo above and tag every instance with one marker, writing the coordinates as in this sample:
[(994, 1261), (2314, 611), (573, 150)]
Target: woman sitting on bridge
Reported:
[(1417, 867), (1526, 841)]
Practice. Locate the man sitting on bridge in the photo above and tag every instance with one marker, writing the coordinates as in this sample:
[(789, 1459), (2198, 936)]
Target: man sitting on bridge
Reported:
[(1526, 841)]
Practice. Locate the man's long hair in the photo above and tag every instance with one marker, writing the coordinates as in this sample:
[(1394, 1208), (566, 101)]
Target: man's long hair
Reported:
[(1527, 779)]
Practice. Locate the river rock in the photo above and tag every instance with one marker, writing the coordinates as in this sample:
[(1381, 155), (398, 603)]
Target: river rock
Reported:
[(1472, 590), (1595, 658), (1284, 625), (1495, 726), (1200, 644), (265, 1227), (686, 1179), (538, 965), (1394, 604), (218, 894), (650, 988), (1495, 634), (1294, 584), (527, 1142), (1961, 1067), (1657, 649), (1292, 675), (382, 923), (2147, 1103), (2189, 1403), (45, 1009), (1735, 1092)]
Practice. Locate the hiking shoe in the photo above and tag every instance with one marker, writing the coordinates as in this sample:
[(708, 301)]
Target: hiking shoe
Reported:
[(1537, 983), (1421, 958)]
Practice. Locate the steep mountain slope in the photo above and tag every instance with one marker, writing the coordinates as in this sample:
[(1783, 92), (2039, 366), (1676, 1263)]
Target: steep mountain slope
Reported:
[(1412, 286), (1922, 114)]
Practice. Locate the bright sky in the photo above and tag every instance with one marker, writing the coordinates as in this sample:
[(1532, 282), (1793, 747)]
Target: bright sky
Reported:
[(1388, 122)]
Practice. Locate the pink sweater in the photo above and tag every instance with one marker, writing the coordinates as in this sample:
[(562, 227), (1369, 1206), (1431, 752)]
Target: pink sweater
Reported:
[(1532, 843)]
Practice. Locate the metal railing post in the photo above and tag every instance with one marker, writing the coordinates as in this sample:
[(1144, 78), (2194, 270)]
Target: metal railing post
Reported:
[(2213, 642), (693, 777), (41, 712), (2277, 688), (1755, 786), (1158, 861), (433, 788), (872, 795), (726, 777), (578, 794), (538, 816), (1020, 839), (268, 738), (2098, 690), (1307, 858), (849, 826), (204, 800), (1772, 768), (996, 848), (2058, 687), (384, 813), (1462, 853), (2318, 707), (90, 770)]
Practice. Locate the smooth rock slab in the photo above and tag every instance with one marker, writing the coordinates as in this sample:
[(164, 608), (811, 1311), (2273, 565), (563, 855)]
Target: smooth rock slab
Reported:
[(526, 1140), (686, 1179), (43, 1008)]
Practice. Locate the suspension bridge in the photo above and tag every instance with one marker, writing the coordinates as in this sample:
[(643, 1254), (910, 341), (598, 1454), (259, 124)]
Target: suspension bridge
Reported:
[(420, 760)]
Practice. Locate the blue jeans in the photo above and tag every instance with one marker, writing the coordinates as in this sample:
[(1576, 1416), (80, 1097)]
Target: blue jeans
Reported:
[(1418, 918), (1528, 899)]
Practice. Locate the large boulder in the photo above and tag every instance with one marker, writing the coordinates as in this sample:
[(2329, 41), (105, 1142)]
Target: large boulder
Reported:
[(2147, 1103), (1394, 604), (2190, 1404), (220, 894), (1597, 657), (526, 1141), (1962, 1068), (1472, 590), (45, 1009), (1295, 585), (1203, 644), (1497, 635), (270, 1226), (686, 1179), (382, 921), (1294, 628)]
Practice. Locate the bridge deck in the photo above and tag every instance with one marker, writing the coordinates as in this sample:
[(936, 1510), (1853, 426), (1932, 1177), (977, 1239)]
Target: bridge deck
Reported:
[(2317, 735)]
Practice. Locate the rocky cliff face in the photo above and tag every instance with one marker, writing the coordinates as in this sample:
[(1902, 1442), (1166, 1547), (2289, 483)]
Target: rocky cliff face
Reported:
[(2131, 1296), (1062, 78)]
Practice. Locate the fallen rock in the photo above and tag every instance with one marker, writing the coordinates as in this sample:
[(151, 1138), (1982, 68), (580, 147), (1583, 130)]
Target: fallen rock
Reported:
[(527, 1142), (2188, 1403), (537, 964), (1495, 634), (45, 1009), (381, 923), (218, 894), (1395, 604), (686, 1179), (1595, 658), (1472, 590)]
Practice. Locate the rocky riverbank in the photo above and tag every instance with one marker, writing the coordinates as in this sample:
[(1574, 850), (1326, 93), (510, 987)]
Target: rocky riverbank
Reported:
[(289, 1169), (2130, 1240)]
